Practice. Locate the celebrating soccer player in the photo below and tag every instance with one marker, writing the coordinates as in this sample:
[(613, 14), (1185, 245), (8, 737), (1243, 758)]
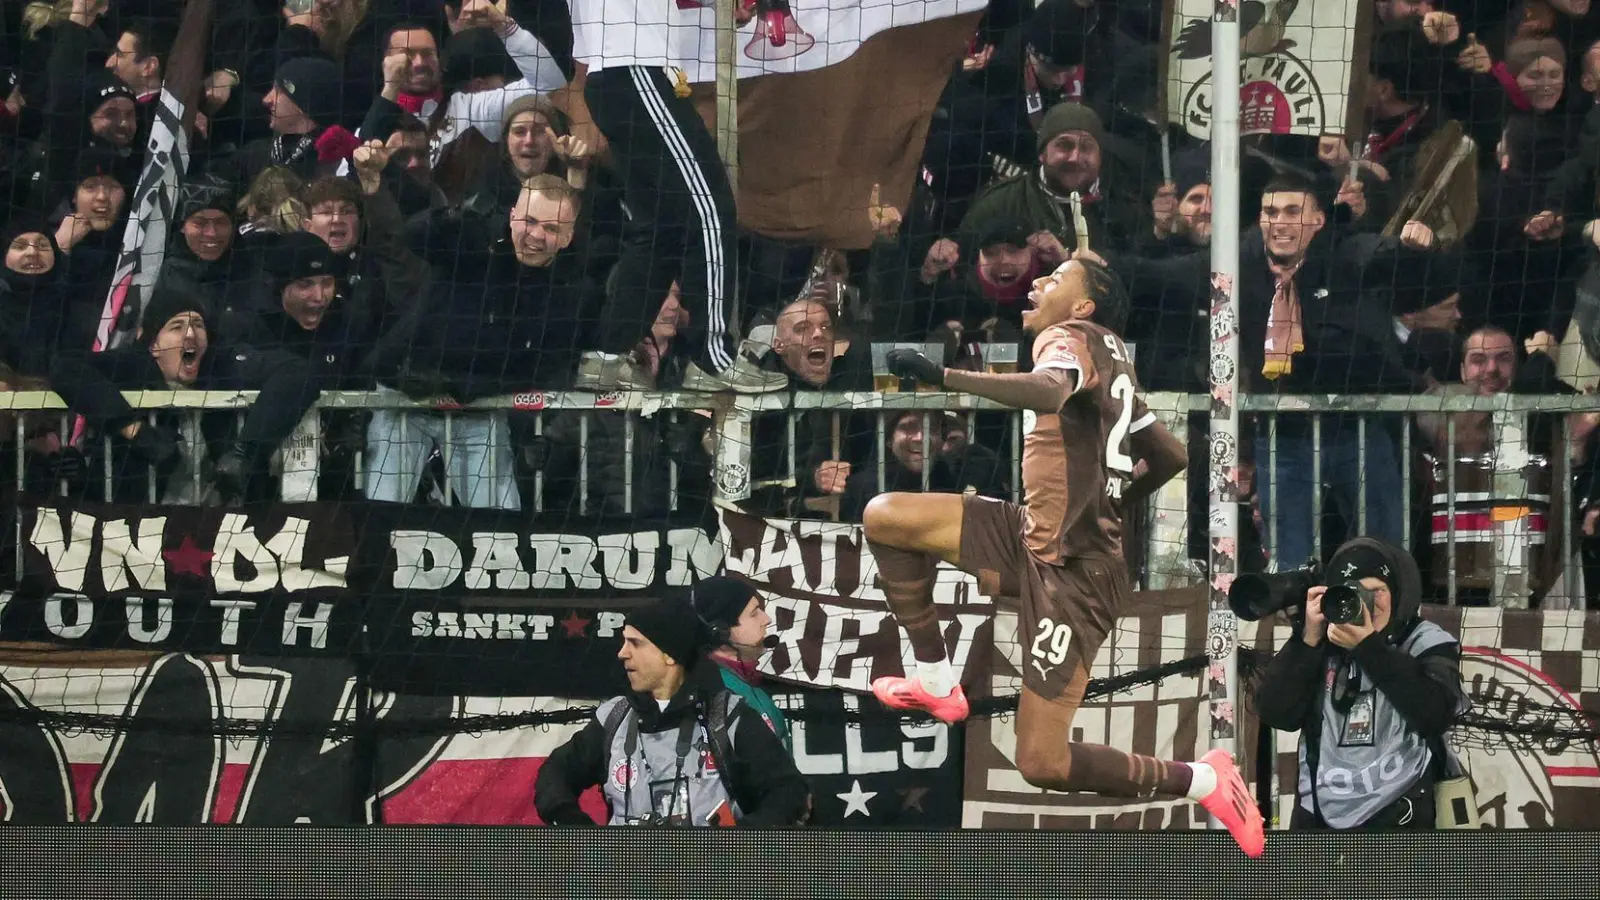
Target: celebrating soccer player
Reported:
[(1091, 446)]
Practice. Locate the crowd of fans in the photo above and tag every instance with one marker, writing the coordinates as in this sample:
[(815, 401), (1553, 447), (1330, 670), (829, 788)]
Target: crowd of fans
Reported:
[(383, 197)]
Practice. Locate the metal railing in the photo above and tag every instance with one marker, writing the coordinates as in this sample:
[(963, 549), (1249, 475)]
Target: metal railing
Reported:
[(1166, 553)]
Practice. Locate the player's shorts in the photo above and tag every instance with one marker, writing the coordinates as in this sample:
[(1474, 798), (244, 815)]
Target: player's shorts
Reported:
[(1068, 610)]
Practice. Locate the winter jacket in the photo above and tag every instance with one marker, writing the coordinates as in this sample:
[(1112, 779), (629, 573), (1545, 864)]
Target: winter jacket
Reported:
[(765, 786)]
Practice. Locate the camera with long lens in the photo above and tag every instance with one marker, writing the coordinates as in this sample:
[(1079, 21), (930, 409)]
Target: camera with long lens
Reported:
[(1254, 597)]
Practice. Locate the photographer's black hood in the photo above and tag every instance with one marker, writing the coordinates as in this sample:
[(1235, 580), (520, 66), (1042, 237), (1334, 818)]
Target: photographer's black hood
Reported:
[(1366, 557)]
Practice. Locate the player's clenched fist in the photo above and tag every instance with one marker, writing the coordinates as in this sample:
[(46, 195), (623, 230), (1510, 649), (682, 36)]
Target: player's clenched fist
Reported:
[(912, 364)]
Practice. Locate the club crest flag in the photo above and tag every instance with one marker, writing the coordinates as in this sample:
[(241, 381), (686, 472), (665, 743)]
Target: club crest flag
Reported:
[(1297, 62)]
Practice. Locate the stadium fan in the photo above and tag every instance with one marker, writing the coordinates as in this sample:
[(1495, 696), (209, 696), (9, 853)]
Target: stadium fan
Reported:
[(1310, 321), (489, 63), (680, 203), (30, 298), (174, 351), (89, 228), (303, 114), (518, 322), (954, 466)]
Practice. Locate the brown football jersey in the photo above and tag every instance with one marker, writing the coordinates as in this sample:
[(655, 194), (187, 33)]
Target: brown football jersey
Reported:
[(1076, 464)]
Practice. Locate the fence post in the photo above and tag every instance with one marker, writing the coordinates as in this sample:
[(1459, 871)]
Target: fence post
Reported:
[(1222, 631), (728, 116)]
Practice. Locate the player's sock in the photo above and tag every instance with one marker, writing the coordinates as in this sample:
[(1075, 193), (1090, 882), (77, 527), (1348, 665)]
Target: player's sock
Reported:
[(906, 579), (1203, 780), (1113, 773), (937, 678)]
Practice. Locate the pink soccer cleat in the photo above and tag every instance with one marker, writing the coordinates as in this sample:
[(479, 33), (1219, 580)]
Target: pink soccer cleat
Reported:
[(1232, 804), (908, 693)]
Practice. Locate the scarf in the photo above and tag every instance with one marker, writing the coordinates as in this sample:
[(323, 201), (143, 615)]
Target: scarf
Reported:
[(1379, 143), (748, 671), (1284, 335), (413, 103), (1033, 95), (1508, 83)]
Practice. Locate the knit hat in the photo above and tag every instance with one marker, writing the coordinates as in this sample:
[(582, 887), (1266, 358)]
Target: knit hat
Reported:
[(535, 103), (1402, 57), (1525, 52), (1191, 168), (28, 222), (300, 254), (203, 193), (101, 85), (166, 303), (1002, 229), (1064, 117), (675, 629), (1057, 30), (314, 84), (720, 601), (476, 53), (93, 162)]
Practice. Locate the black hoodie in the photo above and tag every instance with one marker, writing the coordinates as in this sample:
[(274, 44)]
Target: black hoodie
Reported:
[(92, 386), (769, 789), (31, 314)]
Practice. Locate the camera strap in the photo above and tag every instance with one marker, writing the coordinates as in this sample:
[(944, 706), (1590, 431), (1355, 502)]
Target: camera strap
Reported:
[(711, 714)]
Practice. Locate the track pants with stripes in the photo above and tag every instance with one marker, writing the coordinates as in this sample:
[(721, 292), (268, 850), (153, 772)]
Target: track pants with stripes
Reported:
[(681, 218)]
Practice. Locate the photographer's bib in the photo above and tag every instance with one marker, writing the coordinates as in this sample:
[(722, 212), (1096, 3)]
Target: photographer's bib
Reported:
[(1369, 756), (663, 778)]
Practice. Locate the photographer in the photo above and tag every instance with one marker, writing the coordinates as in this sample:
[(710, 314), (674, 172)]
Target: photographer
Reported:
[(679, 748), (1372, 688)]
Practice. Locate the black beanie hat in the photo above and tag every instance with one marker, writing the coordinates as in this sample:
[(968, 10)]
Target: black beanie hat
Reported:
[(1366, 557), (167, 302), (1003, 229), (1057, 30), (314, 84), (1064, 117), (101, 85), (476, 53), (93, 162), (1191, 168), (675, 629), (206, 192), (26, 222), (300, 254), (720, 601)]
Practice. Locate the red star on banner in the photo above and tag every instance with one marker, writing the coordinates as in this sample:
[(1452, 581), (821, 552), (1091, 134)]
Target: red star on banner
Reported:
[(189, 559), (575, 624)]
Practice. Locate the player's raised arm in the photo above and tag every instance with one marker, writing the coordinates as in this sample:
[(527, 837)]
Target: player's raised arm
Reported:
[(1042, 390)]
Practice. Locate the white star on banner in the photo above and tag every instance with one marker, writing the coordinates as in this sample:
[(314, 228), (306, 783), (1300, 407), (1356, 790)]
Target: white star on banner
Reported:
[(856, 799)]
